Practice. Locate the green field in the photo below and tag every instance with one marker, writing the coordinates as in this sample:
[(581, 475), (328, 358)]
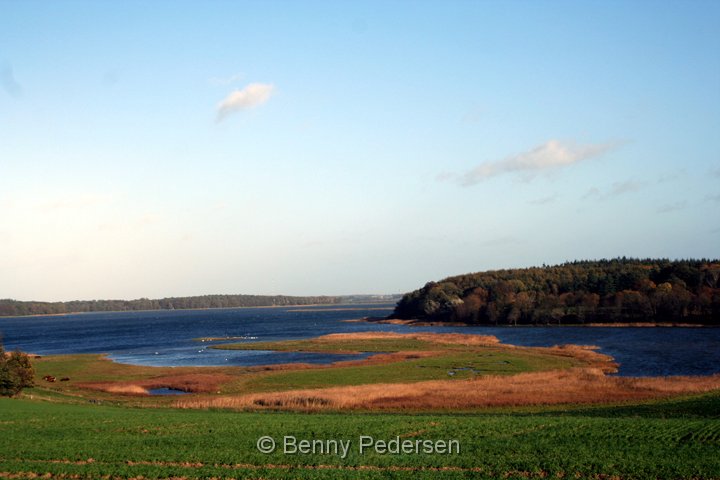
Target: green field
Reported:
[(669, 439), (445, 362), (70, 430)]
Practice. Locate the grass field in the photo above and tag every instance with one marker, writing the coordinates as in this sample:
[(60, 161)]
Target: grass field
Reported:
[(514, 413), (403, 359), (667, 439)]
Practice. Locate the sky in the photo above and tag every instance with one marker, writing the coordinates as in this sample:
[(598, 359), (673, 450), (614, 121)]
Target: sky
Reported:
[(152, 149)]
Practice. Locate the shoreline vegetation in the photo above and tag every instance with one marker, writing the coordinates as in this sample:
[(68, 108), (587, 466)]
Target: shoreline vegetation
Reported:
[(17, 308), (424, 323), (418, 372), (617, 292), (563, 415)]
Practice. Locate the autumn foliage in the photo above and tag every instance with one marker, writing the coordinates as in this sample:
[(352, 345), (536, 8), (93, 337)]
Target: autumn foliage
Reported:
[(16, 372), (607, 291)]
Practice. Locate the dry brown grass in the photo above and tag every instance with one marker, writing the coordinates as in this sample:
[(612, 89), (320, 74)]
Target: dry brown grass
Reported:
[(439, 338), (647, 324), (190, 382), (572, 386), (125, 389), (588, 354), (414, 322)]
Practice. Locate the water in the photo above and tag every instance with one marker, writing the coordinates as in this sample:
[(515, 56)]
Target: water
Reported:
[(166, 338), (166, 391)]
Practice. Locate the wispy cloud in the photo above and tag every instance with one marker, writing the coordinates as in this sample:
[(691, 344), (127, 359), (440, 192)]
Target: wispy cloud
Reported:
[(550, 155), (543, 200), (593, 192), (223, 81), (712, 198), (617, 188), (628, 186), (671, 177), (671, 207), (8, 82), (251, 96)]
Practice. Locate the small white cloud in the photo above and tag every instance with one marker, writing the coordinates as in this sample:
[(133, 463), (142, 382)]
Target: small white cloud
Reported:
[(8, 82), (251, 96), (223, 81), (552, 154)]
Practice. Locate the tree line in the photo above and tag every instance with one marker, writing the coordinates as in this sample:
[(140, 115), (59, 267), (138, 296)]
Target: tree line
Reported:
[(604, 291), (16, 308)]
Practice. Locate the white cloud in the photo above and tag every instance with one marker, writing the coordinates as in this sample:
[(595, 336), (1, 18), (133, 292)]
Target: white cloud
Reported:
[(552, 154), (223, 81), (8, 82), (251, 96)]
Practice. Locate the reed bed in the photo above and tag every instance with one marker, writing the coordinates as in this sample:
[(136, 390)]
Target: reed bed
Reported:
[(570, 386), (190, 382)]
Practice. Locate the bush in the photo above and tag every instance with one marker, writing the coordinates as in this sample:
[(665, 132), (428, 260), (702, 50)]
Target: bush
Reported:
[(16, 372)]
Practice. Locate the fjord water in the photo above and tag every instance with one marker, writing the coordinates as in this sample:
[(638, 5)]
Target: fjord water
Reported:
[(168, 337)]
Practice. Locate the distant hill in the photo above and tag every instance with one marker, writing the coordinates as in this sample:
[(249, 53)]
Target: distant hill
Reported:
[(16, 308), (604, 291)]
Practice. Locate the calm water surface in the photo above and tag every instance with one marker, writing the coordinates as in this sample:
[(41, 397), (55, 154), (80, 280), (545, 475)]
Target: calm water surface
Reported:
[(167, 338)]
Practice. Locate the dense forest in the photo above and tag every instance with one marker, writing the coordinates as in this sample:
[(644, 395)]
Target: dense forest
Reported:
[(14, 307), (605, 291)]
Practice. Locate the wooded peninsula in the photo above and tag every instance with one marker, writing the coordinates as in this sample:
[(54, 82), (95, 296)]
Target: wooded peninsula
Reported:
[(621, 290)]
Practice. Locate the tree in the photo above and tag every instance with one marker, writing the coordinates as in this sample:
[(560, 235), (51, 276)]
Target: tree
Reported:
[(16, 372), (603, 291)]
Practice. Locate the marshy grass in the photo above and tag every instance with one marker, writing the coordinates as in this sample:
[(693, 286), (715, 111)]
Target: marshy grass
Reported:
[(571, 386)]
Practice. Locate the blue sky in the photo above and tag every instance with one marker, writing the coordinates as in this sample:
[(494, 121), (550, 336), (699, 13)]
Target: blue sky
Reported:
[(180, 148)]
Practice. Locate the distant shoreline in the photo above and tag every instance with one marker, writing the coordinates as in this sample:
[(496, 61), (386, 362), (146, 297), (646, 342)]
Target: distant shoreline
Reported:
[(425, 323), (309, 305)]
